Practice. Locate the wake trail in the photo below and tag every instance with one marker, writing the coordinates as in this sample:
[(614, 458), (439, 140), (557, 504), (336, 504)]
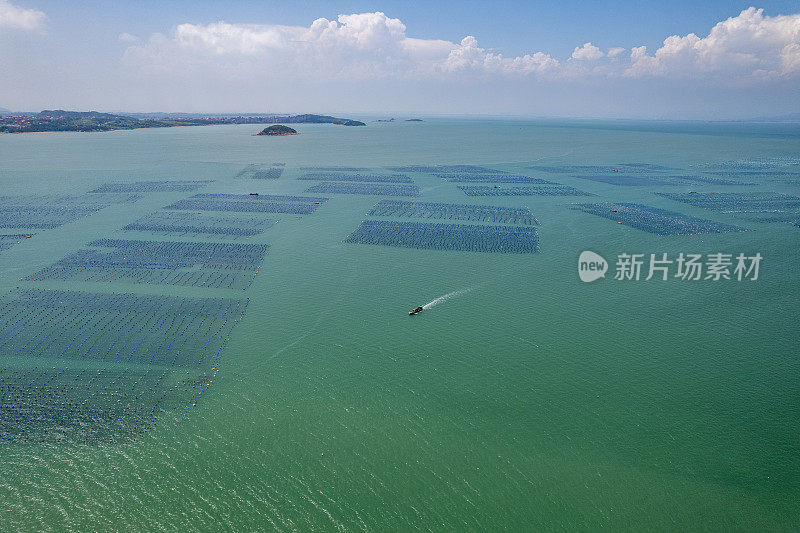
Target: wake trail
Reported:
[(444, 298)]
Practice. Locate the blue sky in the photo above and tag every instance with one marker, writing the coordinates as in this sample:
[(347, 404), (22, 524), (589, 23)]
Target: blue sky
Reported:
[(526, 58)]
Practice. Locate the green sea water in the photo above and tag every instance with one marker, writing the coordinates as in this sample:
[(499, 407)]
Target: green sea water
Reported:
[(528, 401)]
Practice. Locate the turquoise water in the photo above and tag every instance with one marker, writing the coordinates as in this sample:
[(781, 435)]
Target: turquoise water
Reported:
[(530, 401)]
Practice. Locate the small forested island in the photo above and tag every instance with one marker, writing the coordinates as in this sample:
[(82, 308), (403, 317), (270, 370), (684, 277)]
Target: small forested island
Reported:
[(278, 129), (414, 120), (59, 120)]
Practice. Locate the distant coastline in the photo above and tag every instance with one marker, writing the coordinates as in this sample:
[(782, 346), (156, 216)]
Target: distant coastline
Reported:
[(92, 121)]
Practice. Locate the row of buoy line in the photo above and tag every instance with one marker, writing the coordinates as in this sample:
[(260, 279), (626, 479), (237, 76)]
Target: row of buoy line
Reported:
[(383, 189), (153, 186), (194, 223), (160, 262), (355, 176), (542, 190), (434, 210), (250, 203), (656, 220), (440, 236)]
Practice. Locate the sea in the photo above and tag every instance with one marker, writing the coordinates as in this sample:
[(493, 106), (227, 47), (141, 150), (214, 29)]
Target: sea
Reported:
[(521, 398)]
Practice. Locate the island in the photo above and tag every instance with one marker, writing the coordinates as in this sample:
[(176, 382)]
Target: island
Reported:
[(87, 121), (414, 120), (278, 129)]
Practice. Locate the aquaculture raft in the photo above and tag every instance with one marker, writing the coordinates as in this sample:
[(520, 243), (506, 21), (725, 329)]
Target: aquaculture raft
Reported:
[(257, 171), (199, 223), (477, 213), (738, 202), (331, 187), (346, 176), (457, 237), (561, 190), (250, 203), (78, 367), (217, 265), (153, 186), (655, 220)]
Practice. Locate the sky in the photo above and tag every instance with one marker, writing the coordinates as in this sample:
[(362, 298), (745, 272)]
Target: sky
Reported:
[(624, 59)]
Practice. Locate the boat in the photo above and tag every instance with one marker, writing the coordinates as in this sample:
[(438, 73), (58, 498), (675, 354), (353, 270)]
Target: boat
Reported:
[(253, 194), (415, 311)]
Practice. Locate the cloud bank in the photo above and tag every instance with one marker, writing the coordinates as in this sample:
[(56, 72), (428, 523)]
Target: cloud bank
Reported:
[(17, 18), (750, 47)]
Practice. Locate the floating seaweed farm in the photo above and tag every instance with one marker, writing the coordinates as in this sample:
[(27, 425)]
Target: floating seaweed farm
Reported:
[(655, 220), (468, 177), (199, 223), (601, 169), (626, 180), (734, 202), (152, 186), (758, 163), (336, 169), (706, 180), (341, 176), (198, 264), (452, 169), (261, 172), (477, 213), (791, 217), (7, 241), (454, 237), (383, 189), (248, 203), (560, 190), (47, 212), (77, 367)]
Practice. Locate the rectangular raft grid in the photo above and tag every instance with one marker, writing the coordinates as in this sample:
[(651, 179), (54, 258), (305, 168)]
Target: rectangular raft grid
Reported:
[(47, 212), (456, 237), (655, 220), (382, 189), (245, 203), (342, 176), (216, 265), (708, 180), (477, 213), (657, 179), (560, 190), (336, 169), (465, 177), (78, 367), (257, 171), (627, 180), (452, 169), (733, 202), (152, 186), (602, 169), (199, 223), (791, 164)]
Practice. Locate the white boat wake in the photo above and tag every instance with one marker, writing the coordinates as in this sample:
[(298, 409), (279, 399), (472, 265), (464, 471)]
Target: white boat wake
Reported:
[(440, 299)]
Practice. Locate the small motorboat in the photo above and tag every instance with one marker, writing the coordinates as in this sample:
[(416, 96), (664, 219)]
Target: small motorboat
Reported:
[(415, 310), (253, 194)]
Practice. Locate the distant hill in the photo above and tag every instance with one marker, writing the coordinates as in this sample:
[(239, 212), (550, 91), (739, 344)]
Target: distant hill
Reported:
[(61, 120), (278, 129), (4, 111)]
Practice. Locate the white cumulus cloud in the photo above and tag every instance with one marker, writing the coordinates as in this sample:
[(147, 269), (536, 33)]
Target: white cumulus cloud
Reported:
[(587, 52), (360, 46), (19, 18), (749, 45)]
